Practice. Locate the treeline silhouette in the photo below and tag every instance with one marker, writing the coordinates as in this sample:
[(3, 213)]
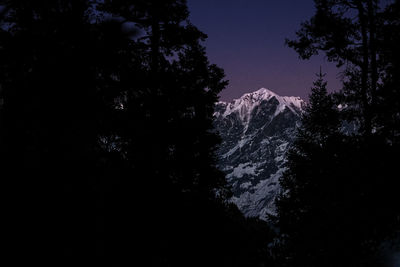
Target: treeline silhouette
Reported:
[(340, 204), (107, 138)]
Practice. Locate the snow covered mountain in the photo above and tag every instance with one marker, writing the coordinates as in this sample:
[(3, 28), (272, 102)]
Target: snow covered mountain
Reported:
[(256, 131)]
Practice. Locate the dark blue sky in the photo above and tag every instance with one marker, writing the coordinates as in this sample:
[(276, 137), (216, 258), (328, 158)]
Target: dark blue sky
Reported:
[(247, 39)]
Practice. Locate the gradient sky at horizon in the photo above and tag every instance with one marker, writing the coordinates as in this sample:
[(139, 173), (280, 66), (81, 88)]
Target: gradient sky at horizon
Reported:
[(247, 39)]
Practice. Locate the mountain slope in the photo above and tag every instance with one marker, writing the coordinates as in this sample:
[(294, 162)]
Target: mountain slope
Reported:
[(256, 130)]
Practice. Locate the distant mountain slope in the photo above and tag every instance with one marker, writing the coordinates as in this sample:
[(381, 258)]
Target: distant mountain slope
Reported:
[(256, 130)]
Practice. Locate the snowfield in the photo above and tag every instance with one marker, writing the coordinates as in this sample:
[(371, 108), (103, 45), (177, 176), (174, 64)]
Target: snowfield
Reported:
[(256, 132)]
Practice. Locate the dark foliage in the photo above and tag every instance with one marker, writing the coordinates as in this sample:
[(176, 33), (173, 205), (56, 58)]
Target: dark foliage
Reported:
[(339, 205), (106, 114)]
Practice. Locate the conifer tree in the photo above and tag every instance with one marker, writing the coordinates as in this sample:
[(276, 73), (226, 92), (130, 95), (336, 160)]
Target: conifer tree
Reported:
[(113, 101), (308, 184), (364, 158), (347, 32), (57, 100)]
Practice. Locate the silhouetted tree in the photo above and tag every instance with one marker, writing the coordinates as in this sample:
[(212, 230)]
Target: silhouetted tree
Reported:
[(345, 221), (347, 32), (168, 142), (58, 102), (113, 101), (389, 55), (306, 207)]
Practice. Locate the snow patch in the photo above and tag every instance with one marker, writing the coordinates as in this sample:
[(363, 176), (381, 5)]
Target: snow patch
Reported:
[(242, 169)]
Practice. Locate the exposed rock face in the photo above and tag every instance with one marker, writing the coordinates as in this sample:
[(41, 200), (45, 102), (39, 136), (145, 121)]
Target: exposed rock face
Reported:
[(256, 130)]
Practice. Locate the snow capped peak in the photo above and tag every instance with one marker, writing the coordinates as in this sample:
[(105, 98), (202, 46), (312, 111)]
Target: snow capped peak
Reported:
[(260, 94), (245, 105)]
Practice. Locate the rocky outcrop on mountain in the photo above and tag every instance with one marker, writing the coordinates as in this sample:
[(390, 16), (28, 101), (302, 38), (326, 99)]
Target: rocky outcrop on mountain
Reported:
[(256, 131)]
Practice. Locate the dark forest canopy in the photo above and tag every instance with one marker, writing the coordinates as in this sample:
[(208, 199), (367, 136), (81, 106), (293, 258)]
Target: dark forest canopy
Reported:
[(340, 200), (113, 103)]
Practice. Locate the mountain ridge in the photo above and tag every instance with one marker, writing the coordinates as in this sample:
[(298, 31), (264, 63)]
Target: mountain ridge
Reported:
[(256, 131)]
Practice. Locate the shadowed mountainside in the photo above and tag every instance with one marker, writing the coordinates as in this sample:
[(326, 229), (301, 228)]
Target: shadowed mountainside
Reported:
[(256, 131)]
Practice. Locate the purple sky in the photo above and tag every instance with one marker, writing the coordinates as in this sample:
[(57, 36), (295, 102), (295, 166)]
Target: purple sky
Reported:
[(247, 39)]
